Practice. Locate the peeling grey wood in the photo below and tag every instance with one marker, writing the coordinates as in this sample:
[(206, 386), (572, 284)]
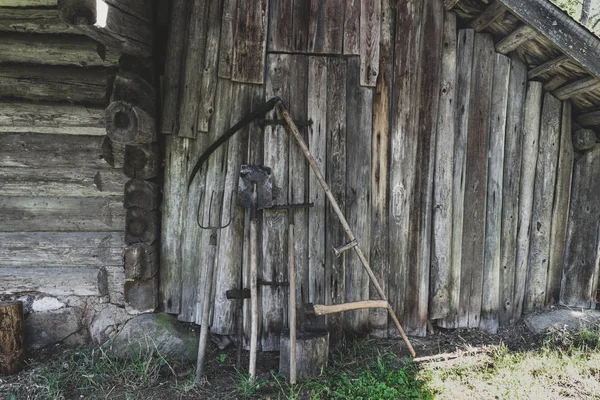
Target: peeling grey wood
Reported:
[(442, 271), (57, 249), (352, 26), (56, 214), (251, 41), (370, 28), (543, 197), (490, 302), (33, 20), (67, 182), (560, 207), (582, 255), (54, 281), (72, 50), (520, 36), (510, 188), (531, 134), (51, 118)]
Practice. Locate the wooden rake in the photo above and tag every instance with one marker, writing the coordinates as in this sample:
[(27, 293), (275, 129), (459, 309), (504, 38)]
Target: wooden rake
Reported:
[(352, 243)]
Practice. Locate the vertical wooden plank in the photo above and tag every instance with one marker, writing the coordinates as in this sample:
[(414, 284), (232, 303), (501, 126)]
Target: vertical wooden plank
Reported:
[(370, 24), (251, 36), (352, 27), (531, 134), (228, 26), (298, 174), (173, 205), (379, 167), (490, 303), (543, 197), (280, 25), (510, 187), (192, 57), (326, 26), (317, 143), (464, 71), (336, 175), (560, 207), (359, 106), (300, 25), (582, 255), (403, 148), (274, 244), (209, 72), (473, 242), (442, 273), (173, 65)]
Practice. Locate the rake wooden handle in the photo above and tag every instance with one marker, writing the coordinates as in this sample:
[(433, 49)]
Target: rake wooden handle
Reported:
[(321, 309)]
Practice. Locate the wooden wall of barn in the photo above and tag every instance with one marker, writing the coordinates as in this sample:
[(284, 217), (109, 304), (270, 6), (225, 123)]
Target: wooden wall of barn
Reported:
[(61, 187), (453, 170)]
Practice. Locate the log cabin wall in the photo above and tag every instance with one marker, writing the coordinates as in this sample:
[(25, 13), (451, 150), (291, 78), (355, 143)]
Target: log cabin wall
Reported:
[(453, 169), (61, 185)]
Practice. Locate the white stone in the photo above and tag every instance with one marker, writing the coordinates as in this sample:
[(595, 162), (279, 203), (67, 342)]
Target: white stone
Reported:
[(47, 304)]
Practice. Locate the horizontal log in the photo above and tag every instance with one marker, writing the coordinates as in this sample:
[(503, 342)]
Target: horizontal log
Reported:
[(578, 87), (47, 214), (28, 3), (32, 20), (555, 82), (26, 48), (54, 83), (58, 249), (55, 281), (140, 261), (129, 124), (19, 116), (357, 305), (548, 67), (63, 182), (38, 150), (584, 139), (144, 67), (589, 119), (141, 296), (142, 194), (107, 23), (521, 35), (141, 226), (133, 89), (142, 162)]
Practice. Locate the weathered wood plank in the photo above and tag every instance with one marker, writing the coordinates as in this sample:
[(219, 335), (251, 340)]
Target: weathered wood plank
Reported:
[(359, 105), (140, 261), (473, 242), (17, 116), (583, 85), (174, 64), (464, 80), (531, 134), (335, 162), (280, 25), (173, 206), (249, 48), (274, 244), (300, 25), (589, 119), (380, 138), (228, 27), (520, 36), (326, 27), (73, 50), (549, 66), (442, 273), (34, 150), (543, 197), (317, 143), (27, 3), (566, 33), (370, 28), (41, 214), (560, 207), (490, 302), (492, 13), (581, 262), (352, 26), (33, 20), (449, 4), (555, 82), (57, 249), (510, 187), (67, 182), (55, 281)]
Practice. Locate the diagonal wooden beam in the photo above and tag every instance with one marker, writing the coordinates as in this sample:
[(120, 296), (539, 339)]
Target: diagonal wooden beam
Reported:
[(449, 4), (555, 82), (549, 66), (578, 87), (589, 119), (566, 33), (494, 12), (521, 35)]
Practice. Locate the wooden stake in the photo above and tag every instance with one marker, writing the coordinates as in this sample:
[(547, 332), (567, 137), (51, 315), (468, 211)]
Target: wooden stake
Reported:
[(253, 291), (12, 339), (212, 249), (292, 302), (355, 305)]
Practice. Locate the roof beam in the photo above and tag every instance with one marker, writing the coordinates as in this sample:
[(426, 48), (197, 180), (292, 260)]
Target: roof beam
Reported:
[(521, 35), (566, 33), (549, 66), (449, 4), (578, 87), (589, 119), (555, 82), (495, 11)]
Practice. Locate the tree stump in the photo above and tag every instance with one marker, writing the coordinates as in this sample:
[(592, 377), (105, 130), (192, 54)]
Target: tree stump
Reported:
[(12, 338), (312, 352)]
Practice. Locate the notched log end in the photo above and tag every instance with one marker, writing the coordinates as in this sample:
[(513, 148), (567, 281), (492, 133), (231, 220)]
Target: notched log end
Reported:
[(77, 12)]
